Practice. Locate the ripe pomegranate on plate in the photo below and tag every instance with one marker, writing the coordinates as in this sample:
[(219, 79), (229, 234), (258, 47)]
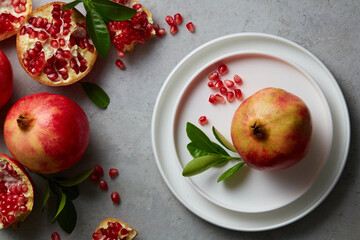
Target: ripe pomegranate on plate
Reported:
[(13, 13), (271, 129), (16, 192), (126, 35), (54, 46), (6, 79), (112, 228), (46, 133)]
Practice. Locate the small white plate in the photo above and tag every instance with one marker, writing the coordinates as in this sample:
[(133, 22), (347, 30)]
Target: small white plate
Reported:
[(167, 159), (250, 190)]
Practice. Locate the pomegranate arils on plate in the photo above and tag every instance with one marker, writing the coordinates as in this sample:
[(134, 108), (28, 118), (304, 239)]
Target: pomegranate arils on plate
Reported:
[(212, 99), (214, 76), (169, 20), (55, 236), (219, 84), (202, 120), (238, 94), (219, 98), (223, 90), (229, 83), (115, 197), (237, 79), (190, 27), (173, 29), (113, 172), (223, 69), (211, 84), (230, 97), (103, 185), (177, 19)]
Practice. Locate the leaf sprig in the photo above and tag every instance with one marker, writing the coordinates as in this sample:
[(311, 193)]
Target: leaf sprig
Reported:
[(64, 190), (208, 154), (98, 14)]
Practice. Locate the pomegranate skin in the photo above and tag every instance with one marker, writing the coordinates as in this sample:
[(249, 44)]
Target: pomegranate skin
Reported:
[(6, 79), (271, 130), (46, 133)]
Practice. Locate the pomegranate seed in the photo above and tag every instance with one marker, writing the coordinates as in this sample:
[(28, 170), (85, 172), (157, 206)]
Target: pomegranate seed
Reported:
[(211, 84), (214, 76), (54, 43), (113, 172), (223, 90), (190, 27), (94, 177), (173, 30), (229, 83), (11, 218), (103, 185), (238, 94), (124, 231), (115, 197), (202, 120), (120, 54), (161, 32), (156, 27), (177, 19), (219, 98), (230, 97), (219, 84), (169, 20), (55, 236), (237, 79), (120, 64), (223, 69), (212, 99), (98, 170)]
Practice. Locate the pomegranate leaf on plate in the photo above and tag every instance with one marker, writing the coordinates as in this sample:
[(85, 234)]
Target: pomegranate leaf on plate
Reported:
[(226, 143), (201, 164), (230, 171)]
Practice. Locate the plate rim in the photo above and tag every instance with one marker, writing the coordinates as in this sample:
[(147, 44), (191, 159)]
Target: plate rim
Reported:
[(329, 76)]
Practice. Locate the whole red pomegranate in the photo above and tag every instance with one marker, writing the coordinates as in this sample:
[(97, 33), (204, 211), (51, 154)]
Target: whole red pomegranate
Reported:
[(112, 228), (6, 79), (46, 133), (16, 192), (272, 129)]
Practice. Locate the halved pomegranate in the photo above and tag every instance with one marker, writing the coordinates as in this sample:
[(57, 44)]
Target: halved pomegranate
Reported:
[(54, 46), (112, 228), (13, 13), (16, 192), (126, 35)]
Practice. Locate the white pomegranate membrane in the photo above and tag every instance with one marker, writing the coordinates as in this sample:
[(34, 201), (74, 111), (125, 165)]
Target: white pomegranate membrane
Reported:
[(14, 194), (114, 230), (56, 44), (11, 14)]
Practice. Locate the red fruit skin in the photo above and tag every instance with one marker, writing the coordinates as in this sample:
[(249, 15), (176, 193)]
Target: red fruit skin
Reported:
[(6, 79), (56, 136), (284, 121)]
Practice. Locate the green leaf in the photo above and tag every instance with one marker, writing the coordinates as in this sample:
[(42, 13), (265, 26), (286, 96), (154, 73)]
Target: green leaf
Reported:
[(96, 94), (226, 143), (197, 152), (61, 206), (230, 171), (201, 164), (201, 141), (67, 218), (76, 180), (113, 10), (71, 192), (71, 5), (98, 31), (46, 197)]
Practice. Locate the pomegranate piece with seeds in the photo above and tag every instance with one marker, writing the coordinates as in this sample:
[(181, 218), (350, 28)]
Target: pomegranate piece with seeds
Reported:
[(223, 69), (202, 120), (125, 35), (114, 229), (190, 27), (54, 46), (16, 192), (113, 172), (13, 13)]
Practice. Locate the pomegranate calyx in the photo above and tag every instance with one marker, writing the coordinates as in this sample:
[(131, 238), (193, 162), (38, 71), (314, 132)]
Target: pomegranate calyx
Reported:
[(25, 122), (258, 130)]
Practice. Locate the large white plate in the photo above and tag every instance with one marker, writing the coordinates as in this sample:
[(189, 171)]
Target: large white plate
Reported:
[(250, 190), (167, 160)]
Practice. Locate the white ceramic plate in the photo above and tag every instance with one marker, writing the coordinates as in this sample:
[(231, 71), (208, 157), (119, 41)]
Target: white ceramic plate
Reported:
[(167, 160), (250, 190)]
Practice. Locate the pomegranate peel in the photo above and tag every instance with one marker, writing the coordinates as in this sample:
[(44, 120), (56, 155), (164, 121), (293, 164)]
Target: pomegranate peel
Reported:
[(15, 184), (115, 229), (53, 46), (12, 15)]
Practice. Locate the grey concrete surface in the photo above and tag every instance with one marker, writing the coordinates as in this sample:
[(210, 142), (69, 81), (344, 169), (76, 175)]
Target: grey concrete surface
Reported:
[(121, 136)]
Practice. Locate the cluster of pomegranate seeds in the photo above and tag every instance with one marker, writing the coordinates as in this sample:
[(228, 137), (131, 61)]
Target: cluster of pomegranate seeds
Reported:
[(202, 120), (55, 236), (226, 88), (114, 231), (160, 32), (7, 19), (13, 192), (57, 34), (176, 20)]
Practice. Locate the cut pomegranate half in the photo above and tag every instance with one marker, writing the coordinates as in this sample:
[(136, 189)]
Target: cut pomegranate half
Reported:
[(125, 35), (112, 228), (16, 192), (13, 13), (54, 46)]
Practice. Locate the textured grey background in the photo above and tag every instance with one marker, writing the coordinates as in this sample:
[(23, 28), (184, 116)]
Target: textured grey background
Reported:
[(120, 135)]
